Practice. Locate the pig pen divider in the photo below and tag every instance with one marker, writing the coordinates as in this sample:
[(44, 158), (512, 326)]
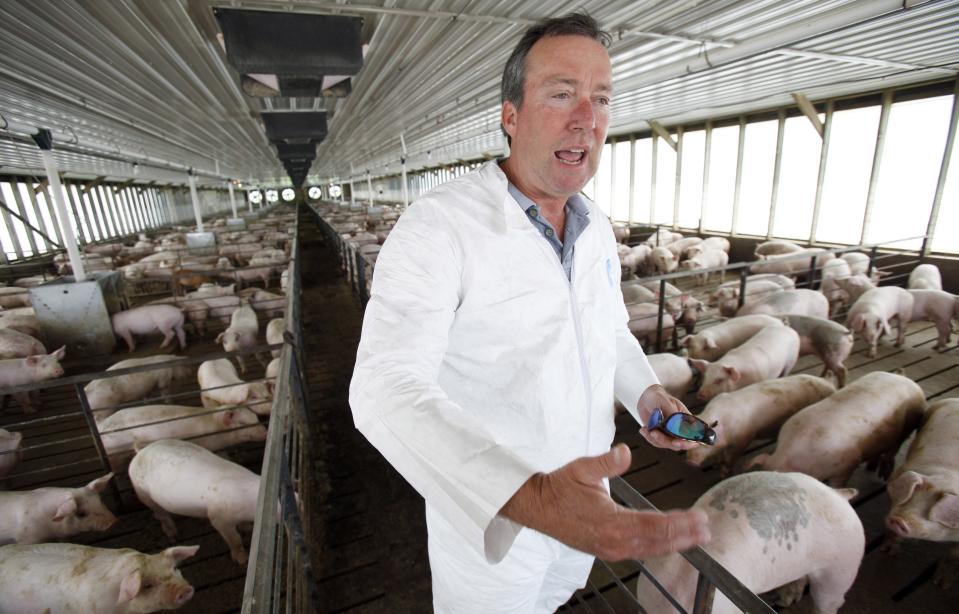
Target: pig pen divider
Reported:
[(280, 572)]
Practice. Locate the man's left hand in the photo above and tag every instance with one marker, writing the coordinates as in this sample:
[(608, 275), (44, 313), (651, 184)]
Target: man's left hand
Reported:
[(653, 397)]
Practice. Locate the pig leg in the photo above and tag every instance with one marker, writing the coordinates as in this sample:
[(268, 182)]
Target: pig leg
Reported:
[(830, 364), (23, 398), (947, 571), (901, 327), (945, 331), (828, 586), (128, 337), (789, 594), (226, 527), (167, 337)]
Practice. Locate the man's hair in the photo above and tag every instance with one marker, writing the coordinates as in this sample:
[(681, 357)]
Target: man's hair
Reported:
[(514, 74)]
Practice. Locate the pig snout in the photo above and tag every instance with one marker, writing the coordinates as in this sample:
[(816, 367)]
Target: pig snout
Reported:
[(898, 525), (183, 595)]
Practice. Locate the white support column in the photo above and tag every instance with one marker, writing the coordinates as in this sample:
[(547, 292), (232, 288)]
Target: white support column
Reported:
[(632, 177), (943, 173), (196, 203), (707, 150), (352, 190), (249, 203), (737, 189), (168, 199), (406, 193), (876, 165), (229, 185), (53, 178), (679, 176), (820, 179), (369, 185)]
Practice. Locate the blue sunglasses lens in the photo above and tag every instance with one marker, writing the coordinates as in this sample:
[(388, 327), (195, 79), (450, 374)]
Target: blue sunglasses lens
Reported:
[(655, 419)]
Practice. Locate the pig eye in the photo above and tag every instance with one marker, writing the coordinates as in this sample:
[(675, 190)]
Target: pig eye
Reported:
[(81, 514), (147, 586)]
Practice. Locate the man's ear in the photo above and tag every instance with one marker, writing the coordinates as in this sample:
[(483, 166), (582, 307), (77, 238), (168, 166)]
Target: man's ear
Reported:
[(508, 118)]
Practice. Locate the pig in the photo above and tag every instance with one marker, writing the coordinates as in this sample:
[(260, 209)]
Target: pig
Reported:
[(70, 578), (37, 368), (219, 301), (924, 490), (776, 247), (178, 477), (799, 302), (662, 236), (643, 318), (712, 343), (26, 324), (830, 341), (105, 394), (47, 514), (925, 277), (728, 298), (220, 386), (673, 372), (270, 304), (11, 298), (636, 258), (730, 289), (872, 312), (679, 247), (149, 319), (212, 430), (792, 263), (866, 421), (621, 232), (755, 412), (936, 306), (272, 371), (769, 530), (9, 451), (663, 260), (719, 243), (14, 344), (831, 290), (707, 259), (241, 334), (855, 285), (635, 293), (274, 333), (769, 353), (858, 262), (684, 308)]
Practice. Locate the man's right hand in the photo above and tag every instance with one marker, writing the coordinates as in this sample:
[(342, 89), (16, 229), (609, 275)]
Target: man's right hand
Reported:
[(571, 505)]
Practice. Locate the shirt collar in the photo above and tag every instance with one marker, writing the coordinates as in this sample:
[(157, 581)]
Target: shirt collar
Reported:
[(576, 204)]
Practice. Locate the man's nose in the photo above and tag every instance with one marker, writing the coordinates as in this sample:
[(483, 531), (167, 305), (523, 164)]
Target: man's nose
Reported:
[(583, 117)]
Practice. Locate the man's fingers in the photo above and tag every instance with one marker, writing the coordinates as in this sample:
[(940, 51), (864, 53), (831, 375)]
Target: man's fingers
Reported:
[(613, 463), (652, 534)]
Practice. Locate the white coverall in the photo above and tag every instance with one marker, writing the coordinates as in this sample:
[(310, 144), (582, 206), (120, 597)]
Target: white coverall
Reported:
[(481, 364)]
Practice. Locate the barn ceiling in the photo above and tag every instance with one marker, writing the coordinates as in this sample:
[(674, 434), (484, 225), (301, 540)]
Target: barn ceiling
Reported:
[(148, 81)]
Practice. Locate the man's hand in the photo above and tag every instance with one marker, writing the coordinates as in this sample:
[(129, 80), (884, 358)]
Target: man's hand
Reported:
[(571, 504), (653, 397)]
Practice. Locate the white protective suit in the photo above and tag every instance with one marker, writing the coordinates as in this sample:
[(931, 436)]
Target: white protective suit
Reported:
[(481, 364)]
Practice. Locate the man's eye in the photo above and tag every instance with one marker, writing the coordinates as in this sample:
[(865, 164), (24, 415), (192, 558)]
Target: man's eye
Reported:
[(603, 101), (562, 95)]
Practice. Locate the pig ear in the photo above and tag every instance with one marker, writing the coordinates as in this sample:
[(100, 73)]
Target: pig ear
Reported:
[(219, 338), (67, 508), (946, 511), (856, 322), (901, 489), (699, 365), (32, 361), (733, 373), (180, 553), (130, 587), (99, 484), (61, 353), (711, 343), (846, 493), (684, 342)]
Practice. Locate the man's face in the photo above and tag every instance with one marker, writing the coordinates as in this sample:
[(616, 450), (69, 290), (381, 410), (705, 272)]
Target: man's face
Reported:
[(559, 130)]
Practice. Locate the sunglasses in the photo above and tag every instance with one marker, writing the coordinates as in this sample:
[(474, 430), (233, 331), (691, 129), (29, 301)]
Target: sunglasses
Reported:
[(683, 426)]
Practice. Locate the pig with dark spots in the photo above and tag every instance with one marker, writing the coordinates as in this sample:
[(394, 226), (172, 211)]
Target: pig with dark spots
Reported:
[(178, 477), (770, 353), (830, 341), (871, 315), (46, 514), (866, 421), (769, 531), (713, 342), (756, 411), (37, 368), (74, 579), (925, 489)]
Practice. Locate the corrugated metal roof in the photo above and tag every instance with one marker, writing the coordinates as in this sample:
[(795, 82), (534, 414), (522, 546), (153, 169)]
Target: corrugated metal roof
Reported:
[(147, 78)]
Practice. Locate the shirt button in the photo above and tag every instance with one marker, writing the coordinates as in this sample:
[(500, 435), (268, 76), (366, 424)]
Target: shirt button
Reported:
[(549, 232), (533, 212)]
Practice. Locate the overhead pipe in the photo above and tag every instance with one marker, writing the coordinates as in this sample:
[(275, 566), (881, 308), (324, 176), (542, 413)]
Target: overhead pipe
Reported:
[(44, 140)]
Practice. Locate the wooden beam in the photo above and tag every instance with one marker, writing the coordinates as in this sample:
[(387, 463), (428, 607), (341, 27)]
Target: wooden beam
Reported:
[(92, 184), (809, 110), (663, 134)]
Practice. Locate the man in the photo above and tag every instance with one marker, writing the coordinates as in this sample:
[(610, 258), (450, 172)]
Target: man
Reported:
[(493, 343)]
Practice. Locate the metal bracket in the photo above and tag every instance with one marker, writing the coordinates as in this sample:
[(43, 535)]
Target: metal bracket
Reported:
[(809, 110)]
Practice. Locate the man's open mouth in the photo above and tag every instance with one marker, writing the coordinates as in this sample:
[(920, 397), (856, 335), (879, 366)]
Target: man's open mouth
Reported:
[(572, 157)]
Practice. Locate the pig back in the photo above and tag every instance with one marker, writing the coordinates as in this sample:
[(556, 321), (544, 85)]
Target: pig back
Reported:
[(935, 448)]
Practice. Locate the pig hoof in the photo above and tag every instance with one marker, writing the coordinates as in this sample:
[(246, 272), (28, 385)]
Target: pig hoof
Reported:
[(240, 558)]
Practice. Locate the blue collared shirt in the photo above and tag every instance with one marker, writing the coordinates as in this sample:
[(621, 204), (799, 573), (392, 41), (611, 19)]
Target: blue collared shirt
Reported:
[(577, 219)]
